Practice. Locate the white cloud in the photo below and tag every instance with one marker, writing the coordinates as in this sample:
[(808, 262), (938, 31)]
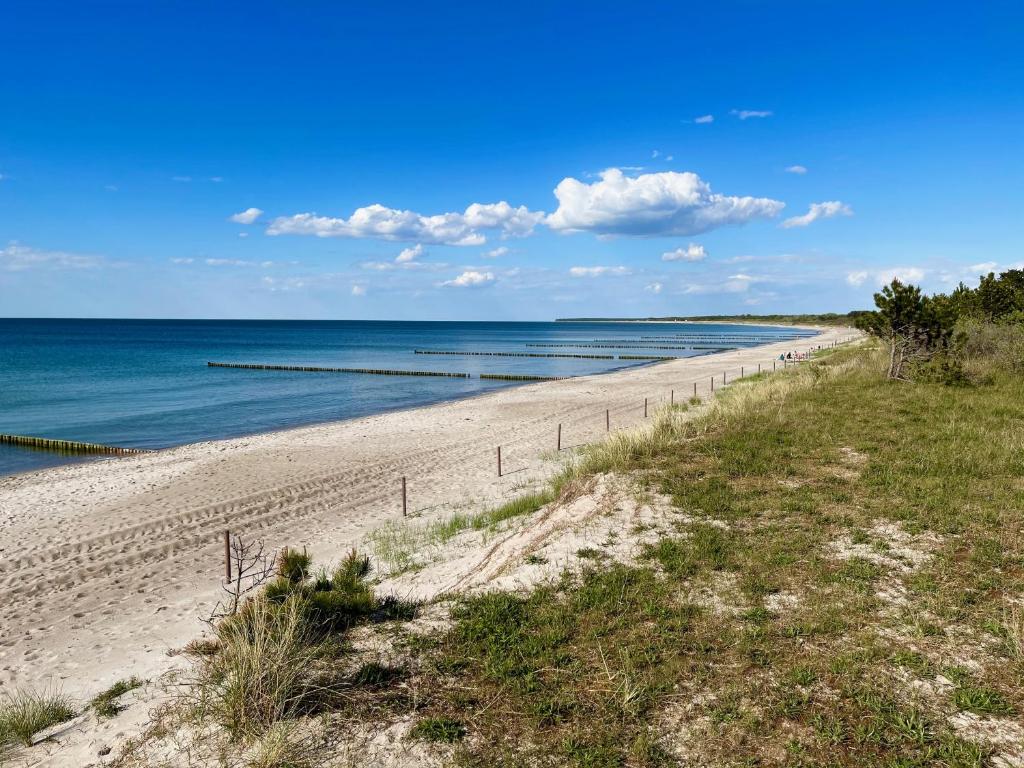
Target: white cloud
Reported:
[(496, 252), (817, 211), (800, 170), (22, 258), (216, 179), (653, 287), (654, 154), (243, 235), (885, 276), (692, 252), (984, 267), (651, 204), (704, 119), (108, 187), (236, 263), (358, 290), (378, 221), (188, 260), (746, 114), (181, 179), (409, 254), (597, 271), (470, 278), (248, 216), (276, 284)]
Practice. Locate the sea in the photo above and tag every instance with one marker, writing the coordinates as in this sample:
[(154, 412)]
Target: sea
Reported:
[(146, 383)]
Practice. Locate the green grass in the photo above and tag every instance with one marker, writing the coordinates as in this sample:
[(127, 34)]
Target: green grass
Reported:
[(24, 713), (585, 668), (106, 703)]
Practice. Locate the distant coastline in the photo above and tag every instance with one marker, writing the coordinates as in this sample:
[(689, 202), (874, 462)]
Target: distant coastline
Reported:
[(826, 319)]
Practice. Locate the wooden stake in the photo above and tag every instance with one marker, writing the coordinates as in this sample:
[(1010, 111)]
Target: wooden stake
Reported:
[(672, 398), (759, 369), (607, 421), (773, 365), (499, 461), (742, 374), (695, 389), (712, 383), (405, 505), (645, 407), (723, 377), (227, 554), (558, 445)]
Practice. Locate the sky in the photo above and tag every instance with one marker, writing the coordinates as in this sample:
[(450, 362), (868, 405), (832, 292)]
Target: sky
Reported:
[(416, 161)]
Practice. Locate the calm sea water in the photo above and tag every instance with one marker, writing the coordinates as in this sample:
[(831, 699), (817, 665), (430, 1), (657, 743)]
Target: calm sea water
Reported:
[(145, 383)]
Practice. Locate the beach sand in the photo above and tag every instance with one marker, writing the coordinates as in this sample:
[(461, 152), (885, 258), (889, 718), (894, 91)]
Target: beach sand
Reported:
[(107, 566)]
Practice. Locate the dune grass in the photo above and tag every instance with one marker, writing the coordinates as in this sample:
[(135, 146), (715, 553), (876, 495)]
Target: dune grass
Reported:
[(24, 713), (106, 704)]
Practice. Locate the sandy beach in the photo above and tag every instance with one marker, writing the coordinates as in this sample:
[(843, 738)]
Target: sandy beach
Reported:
[(107, 566)]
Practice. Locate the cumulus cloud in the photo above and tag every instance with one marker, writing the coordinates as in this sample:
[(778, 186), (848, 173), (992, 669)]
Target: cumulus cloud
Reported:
[(409, 254), (797, 169), (597, 271), (746, 114), (248, 216), (704, 119), (378, 221), (181, 179), (653, 287), (651, 204), (692, 252), (495, 253), (817, 211), (885, 276), (470, 278), (22, 258), (358, 290), (183, 260)]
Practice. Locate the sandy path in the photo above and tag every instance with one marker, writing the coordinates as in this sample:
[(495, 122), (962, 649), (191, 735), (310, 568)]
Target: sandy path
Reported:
[(106, 566)]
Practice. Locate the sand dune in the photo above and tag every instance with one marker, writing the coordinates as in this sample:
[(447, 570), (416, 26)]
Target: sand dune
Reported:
[(106, 566)]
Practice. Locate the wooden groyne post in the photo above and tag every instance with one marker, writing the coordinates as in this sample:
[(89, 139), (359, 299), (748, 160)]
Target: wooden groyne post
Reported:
[(499, 461), (405, 505), (558, 442), (67, 446)]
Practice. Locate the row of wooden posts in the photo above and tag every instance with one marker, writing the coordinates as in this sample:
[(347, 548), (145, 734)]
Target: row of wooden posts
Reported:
[(558, 441)]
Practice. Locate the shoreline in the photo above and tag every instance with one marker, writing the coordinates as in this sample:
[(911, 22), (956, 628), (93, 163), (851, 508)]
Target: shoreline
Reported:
[(109, 565)]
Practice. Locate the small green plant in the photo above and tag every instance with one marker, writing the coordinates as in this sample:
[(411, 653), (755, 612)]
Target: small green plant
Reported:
[(106, 704), (25, 713), (293, 565), (981, 701), (439, 729)]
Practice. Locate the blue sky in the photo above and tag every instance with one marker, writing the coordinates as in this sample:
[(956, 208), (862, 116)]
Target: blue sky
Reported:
[(424, 161)]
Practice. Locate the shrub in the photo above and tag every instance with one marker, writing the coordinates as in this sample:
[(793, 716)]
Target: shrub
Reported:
[(293, 565)]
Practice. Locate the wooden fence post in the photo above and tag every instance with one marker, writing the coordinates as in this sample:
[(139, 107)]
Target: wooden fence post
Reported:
[(227, 554), (405, 505), (499, 461), (645, 407), (607, 420), (695, 389), (558, 445), (672, 397)]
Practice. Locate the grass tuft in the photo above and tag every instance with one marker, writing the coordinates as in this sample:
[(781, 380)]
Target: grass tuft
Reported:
[(25, 713)]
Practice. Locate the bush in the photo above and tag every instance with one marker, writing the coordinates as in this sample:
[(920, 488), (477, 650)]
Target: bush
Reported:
[(293, 565), (25, 713)]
